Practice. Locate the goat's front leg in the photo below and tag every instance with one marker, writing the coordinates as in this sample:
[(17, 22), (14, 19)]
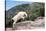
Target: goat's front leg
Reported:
[(14, 24)]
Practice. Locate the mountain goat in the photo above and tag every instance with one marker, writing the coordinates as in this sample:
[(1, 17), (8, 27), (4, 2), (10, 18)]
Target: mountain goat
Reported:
[(20, 15)]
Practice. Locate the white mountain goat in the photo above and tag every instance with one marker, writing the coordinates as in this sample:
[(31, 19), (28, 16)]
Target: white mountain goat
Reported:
[(20, 15)]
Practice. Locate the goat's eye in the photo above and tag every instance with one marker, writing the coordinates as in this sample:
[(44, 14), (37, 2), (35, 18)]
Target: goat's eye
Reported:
[(24, 15)]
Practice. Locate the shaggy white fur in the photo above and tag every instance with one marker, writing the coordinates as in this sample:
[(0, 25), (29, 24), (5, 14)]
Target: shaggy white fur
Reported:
[(20, 15)]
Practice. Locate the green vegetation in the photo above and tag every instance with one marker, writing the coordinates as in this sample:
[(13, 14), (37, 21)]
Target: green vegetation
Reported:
[(33, 10)]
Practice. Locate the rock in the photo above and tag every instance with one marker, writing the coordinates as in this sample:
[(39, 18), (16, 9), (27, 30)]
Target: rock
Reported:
[(30, 24)]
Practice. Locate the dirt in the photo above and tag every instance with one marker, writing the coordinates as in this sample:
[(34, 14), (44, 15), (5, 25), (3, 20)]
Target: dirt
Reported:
[(29, 25)]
